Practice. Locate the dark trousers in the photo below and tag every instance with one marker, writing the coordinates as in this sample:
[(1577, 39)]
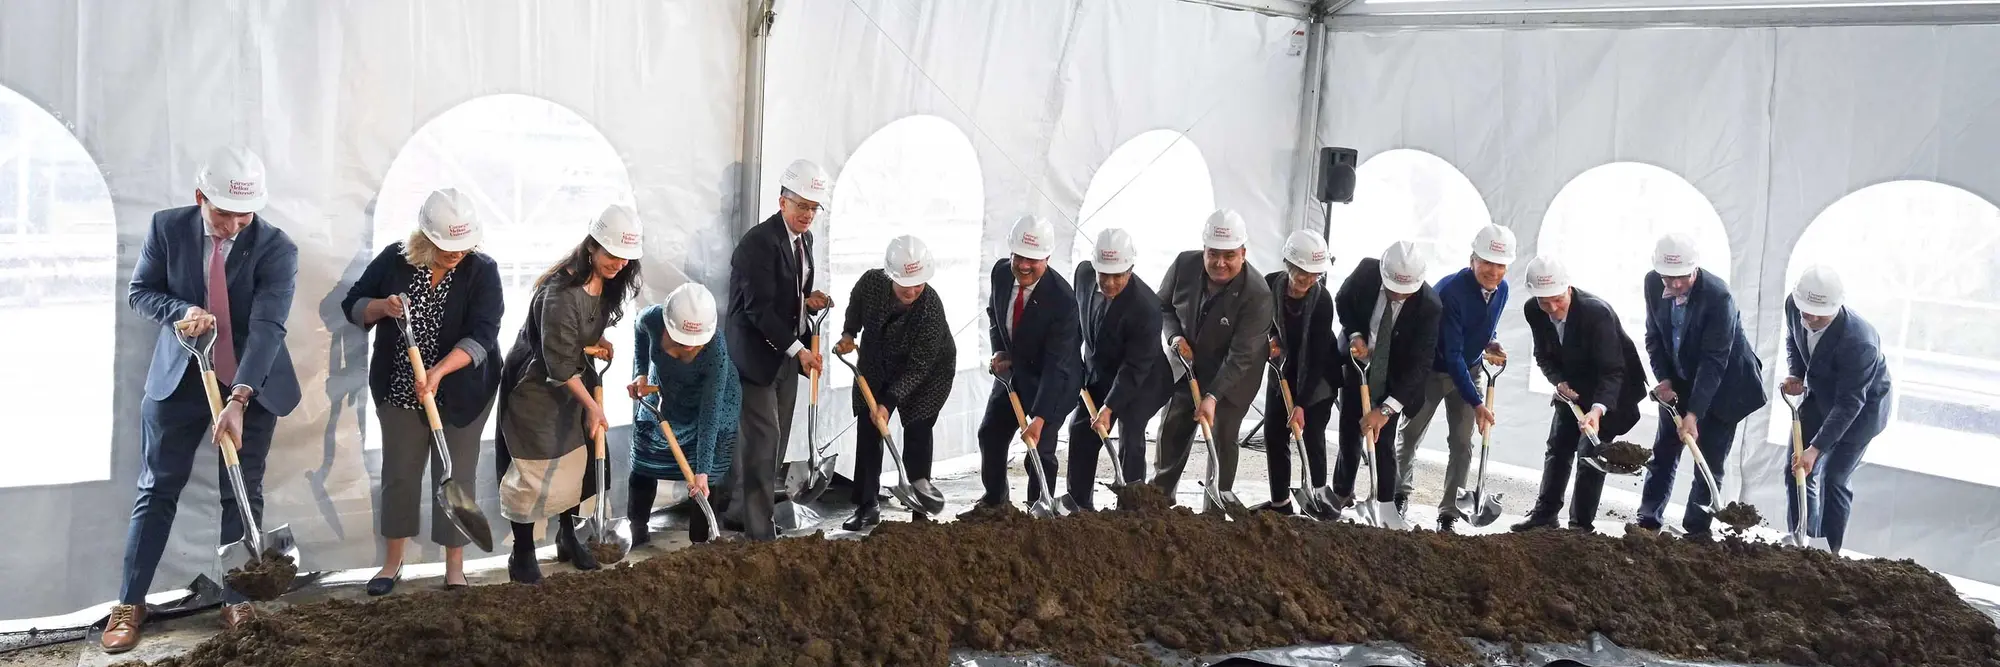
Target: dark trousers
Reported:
[(1717, 437), (918, 436), (1567, 446), (997, 432), (174, 430), (1828, 498), (1350, 445), (640, 492), (1084, 446), (763, 429), (1278, 441)]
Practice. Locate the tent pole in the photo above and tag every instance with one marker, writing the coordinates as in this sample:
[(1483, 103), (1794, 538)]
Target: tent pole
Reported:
[(1308, 130), (751, 154)]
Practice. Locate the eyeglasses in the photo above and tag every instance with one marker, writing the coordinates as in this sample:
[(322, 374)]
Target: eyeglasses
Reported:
[(807, 206)]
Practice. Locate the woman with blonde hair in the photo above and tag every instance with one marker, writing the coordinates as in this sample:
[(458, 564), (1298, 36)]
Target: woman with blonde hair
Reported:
[(438, 284)]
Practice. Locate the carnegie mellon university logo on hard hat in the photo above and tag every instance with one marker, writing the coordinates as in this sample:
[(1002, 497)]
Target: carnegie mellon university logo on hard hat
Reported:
[(1319, 256), (1497, 245), (693, 327), (1401, 278), (1543, 281), (1673, 259), (912, 268), (1029, 239), (1220, 233), (241, 189), (1107, 256), (629, 238), (458, 230), (1816, 298)]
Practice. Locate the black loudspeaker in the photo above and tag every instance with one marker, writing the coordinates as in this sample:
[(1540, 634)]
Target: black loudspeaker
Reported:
[(1336, 175)]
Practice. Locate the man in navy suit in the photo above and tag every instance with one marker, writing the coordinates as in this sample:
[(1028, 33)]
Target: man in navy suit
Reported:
[(771, 295), (1125, 370), (215, 266), (1835, 358), (1704, 365), (1032, 319)]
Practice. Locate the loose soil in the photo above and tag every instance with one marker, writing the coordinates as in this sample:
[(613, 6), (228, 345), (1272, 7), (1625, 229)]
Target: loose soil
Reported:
[(1739, 516), (606, 552), (1625, 457), (1090, 587), (263, 578)]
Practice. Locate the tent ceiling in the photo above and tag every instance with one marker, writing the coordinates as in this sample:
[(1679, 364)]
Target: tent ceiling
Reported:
[(1615, 13)]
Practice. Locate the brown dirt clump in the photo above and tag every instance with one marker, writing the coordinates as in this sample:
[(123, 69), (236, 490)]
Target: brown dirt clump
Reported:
[(1091, 588), (1625, 457), (606, 552), (1740, 517), (263, 578)]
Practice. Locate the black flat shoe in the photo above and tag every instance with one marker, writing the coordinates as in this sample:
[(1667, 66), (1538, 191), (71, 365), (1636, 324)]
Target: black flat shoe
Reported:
[(381, 586), (863, 519)]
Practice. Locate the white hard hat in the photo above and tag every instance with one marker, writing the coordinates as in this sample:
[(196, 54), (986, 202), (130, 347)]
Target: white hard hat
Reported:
[(1115, 252), (618, 230), (1820, 292), (691, 315), (909, 262), (1306, 250), (1403, 268), (1032, 237), (807, 180), (1675, 255), (450, 221), (1547, 277), (1494, 244), (1223, 231), (233, 180)]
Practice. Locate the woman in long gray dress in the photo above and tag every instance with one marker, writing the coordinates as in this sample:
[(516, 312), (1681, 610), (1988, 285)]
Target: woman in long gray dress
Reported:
[(547, 415)]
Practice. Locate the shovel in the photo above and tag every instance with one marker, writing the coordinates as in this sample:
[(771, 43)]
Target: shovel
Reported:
[(1798, 536), (927, 501), (1117, 463), (1312, 503), (1700, 462), (1222, 500), (458, 506), (1475, 505), (1045, 506), (1596, 458), (601, 528), (1366, 510), (255, 542), (819, 468), (674, 444)]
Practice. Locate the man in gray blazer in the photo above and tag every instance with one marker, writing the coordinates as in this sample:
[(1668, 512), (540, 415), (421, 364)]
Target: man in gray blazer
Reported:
[(1216, 313), (215, 266)]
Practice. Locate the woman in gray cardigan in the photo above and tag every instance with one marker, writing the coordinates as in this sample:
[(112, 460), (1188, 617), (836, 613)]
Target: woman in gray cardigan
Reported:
[(437, 283)]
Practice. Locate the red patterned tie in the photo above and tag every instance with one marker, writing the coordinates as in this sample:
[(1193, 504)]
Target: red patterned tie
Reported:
[(218, 305), (1020, 303)]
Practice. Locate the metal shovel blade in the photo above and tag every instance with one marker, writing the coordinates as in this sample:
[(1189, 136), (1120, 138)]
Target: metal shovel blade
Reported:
[(819, 476), (600, 527), (1480, 509), (1321, 504), (464, 513), (928, 496), (278, 540)]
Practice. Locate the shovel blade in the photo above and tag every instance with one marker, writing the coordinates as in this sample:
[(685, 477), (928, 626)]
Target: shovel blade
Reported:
[(1489, 511), (708, 512), (601, 530), (1040, 509), (464, 514), (817, 481), (908, 497), (1466, 502), (1066, 506), (928, 497), (279, 540)]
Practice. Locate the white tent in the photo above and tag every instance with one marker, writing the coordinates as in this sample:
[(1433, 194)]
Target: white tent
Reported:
[(1585, 126)]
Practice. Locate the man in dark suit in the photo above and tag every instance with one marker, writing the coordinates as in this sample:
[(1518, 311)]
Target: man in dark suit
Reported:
[(1216, 310), (1584, 352), (771, 293), (213, 267), (1835, 358), (1704, 364), (1125, 370), (1032, 319), (1389, 317)]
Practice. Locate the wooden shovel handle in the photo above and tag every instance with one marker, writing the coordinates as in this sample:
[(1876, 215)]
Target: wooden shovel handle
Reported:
[(225, 443), (1020, 416), (1091, 407), (1285, 387), (673, 443), (429, 400), (868, 395), (814, 376), (597, 446)]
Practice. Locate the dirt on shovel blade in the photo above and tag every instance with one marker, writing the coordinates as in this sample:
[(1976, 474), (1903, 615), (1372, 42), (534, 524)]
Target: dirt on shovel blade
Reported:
[(1624, 457), (1091, 587), (1739, 516), (606, 552), (264, 578)]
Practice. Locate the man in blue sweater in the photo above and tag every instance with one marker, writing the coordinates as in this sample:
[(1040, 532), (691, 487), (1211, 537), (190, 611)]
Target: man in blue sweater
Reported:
[(1473, 300)]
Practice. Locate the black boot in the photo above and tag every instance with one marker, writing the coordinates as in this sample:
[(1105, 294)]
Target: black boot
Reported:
[(641, 534), (579, 554), (864, 518), (521, 565)]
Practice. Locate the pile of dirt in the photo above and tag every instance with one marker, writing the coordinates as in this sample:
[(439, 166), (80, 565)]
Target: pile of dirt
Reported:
[(1090, 588), (263, 578), (606, 552), (1625, 457), (1739, 516)]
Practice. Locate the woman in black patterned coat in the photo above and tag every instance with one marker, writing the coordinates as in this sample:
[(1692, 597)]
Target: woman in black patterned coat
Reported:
[(909, 358)]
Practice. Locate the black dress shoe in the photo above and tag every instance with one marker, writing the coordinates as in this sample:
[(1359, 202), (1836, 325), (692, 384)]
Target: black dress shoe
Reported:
[(522, 568), (864, 518), (581, 558), (1285, 509), (1403, 504), (1534, 522), (1446, 521), (456, 587), (381, 586)]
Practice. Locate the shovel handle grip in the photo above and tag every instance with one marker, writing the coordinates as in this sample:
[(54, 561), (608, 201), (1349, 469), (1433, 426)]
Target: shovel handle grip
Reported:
[(429, 400), (814, 376), (225, 443), (868, 395), (1090, 406), (597, 443), (1285, 387), (1020, 415), (1798, 452), (674, 444)]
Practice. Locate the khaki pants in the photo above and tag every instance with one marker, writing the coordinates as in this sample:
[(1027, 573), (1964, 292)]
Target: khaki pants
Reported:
[(1461, 421)]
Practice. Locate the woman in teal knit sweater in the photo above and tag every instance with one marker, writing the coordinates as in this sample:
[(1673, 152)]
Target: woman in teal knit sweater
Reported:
[(680, 350)]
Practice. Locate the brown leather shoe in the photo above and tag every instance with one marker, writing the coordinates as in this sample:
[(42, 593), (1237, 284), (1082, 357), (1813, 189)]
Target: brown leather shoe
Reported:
[(235, 614), (121, 633)]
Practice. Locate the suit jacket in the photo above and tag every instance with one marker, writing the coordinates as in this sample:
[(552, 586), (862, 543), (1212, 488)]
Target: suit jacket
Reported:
[(1846, 377), (1124, 367), (1044, 349), (764, 299), (1413, 343), (1229, 341), (261, 269), (1717, 373), (1316, 359), (1467, 326), (471, 320), (1594, 356)]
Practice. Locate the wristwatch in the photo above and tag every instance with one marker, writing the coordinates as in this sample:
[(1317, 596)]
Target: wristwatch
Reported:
[(1386, 412)]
